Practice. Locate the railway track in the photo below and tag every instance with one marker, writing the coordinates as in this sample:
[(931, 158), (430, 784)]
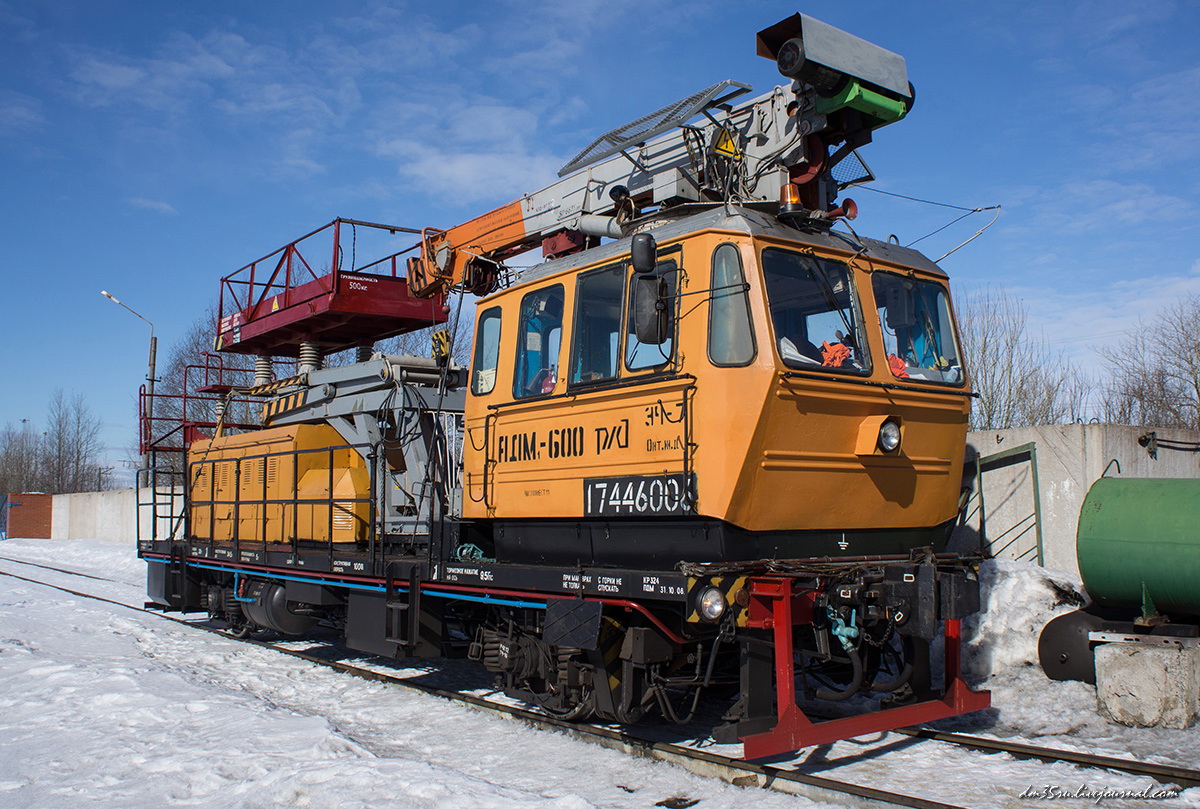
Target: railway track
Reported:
[(735, 771)]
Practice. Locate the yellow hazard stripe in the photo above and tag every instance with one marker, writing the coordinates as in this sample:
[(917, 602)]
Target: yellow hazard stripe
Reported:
[(280, 406), (611, 649), (271, 387)]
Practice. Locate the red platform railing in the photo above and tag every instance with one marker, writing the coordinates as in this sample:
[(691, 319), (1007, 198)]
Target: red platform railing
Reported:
[(179, 417), (263, 296)]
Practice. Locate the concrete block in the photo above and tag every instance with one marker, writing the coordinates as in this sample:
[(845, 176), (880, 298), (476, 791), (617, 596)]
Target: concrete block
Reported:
[(1148, 686)]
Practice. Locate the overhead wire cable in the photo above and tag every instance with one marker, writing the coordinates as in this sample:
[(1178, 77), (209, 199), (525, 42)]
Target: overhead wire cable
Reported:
[(968, 211), (939, 230), (925, 201)]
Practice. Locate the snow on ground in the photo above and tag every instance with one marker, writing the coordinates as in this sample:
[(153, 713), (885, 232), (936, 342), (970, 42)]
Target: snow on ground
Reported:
[(108, 707), (105, 706)]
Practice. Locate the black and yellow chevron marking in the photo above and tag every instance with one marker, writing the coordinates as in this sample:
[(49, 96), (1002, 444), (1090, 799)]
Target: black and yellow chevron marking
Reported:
[(732, 587), (612, 636), (271, 387), (281, 406), (441, 345)]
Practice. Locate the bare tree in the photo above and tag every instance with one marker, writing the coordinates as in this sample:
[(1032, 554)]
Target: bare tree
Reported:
[(1020, 380), (20, 462), (63, 458), (1156, 370), (20, 458), (419, 343), (71, 445)]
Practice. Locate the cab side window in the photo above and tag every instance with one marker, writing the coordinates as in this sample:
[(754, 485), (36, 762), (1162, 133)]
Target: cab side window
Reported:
[(487, 352), (595, 341), (539, 337), (640, 356), (730, 335)]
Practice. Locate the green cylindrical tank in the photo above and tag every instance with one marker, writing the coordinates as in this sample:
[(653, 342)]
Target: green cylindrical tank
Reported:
[(1139, 544)]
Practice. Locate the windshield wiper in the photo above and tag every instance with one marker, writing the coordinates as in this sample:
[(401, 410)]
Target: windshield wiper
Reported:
[(831, 300)]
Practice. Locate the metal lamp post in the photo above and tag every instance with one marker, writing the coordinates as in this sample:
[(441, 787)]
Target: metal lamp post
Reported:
[(150, 378)]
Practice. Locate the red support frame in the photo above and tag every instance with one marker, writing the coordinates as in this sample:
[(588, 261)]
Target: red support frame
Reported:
[(774, 605)]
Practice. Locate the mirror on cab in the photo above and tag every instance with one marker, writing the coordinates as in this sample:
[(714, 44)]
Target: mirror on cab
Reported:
[(651, 310), (651, 307), (644, 253)]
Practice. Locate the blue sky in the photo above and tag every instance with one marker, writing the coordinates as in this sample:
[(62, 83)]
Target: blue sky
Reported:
[(150, 148)]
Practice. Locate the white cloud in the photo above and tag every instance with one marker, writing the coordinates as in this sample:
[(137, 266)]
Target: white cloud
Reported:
[(390, 75), (503, 127), (107, 78), (1082, 313), (155, 205), (1098, 206), (19, 113), (451, 173), (1095, 23), (1158, 121)]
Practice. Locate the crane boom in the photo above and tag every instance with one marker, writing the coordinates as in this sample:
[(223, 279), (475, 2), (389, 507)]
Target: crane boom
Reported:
[(792, 135)]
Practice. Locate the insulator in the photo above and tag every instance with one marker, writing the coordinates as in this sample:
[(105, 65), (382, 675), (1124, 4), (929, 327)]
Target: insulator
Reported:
[(262, 370), (310, 358), (363, 353)]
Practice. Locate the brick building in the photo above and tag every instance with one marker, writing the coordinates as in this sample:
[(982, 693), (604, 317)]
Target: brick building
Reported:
[(29, 515)]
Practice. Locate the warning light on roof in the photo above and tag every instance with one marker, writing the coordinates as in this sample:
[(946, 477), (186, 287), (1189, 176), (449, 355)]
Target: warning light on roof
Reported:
[(789, 199)]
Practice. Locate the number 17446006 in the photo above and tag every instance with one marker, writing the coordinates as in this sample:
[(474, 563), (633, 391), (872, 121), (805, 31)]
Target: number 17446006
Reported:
[(636, 495)]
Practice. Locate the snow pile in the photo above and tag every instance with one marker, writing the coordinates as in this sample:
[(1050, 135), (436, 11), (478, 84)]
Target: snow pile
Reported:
[(1018, 600)]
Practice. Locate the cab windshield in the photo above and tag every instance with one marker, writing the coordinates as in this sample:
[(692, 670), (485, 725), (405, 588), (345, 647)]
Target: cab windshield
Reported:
[(918, 332), (815, 312)]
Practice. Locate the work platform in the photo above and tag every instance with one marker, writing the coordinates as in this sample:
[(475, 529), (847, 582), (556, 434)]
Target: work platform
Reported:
[(271, 305)]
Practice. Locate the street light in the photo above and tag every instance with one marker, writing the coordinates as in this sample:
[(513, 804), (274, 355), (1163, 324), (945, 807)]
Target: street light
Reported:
[(149, 381)]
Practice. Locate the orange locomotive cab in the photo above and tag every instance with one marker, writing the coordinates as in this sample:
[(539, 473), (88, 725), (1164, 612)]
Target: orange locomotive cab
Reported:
[(773, 419)]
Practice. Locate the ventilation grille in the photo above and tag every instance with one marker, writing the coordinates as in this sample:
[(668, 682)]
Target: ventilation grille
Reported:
[(852, 170)]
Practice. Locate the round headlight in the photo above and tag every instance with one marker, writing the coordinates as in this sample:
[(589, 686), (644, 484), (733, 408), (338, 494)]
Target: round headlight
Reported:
[(889, 436), (711, 604), (790, 58)]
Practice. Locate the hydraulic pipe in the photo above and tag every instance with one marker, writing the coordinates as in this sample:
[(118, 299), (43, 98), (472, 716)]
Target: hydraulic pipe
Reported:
[(593, 225)]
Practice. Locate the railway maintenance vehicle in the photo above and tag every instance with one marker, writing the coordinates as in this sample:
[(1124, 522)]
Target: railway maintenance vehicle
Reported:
[(712, 445)]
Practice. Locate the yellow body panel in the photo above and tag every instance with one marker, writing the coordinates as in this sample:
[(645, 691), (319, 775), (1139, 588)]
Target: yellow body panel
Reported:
[(768, 451), (277, 485)]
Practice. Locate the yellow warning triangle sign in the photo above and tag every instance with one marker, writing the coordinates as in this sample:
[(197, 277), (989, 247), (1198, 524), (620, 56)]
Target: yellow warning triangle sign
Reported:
[(726, 145), (275, 304)]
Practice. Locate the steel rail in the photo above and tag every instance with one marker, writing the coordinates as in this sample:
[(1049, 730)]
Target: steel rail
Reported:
[(700, 762), (1163, 773), (59, 570)]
